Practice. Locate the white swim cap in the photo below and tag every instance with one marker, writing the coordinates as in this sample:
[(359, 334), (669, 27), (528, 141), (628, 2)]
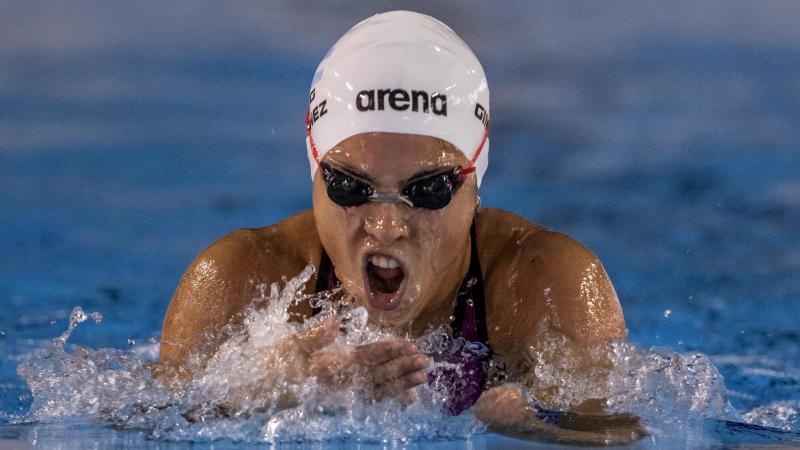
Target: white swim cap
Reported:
[(400, 72)]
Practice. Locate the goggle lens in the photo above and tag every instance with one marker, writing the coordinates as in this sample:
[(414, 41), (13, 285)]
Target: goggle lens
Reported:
[(433, 192), (430, 192), (345, 190)]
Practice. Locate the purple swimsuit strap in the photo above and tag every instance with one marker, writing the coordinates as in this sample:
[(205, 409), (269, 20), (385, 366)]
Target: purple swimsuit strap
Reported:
[(470, 325)]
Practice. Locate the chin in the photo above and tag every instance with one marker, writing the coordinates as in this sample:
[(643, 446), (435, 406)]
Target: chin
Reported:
[(400, 313)]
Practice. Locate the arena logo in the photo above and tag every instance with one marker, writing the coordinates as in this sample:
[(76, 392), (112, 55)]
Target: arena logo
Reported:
[(401, 100)]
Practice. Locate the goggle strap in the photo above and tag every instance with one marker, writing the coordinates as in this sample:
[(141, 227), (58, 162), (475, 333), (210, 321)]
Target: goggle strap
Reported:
[(311, 144), (462, 174)]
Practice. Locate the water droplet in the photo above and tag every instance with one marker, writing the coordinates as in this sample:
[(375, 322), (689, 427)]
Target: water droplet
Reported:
[(667, 313), (131, 341), (52, 322), (452, 318)]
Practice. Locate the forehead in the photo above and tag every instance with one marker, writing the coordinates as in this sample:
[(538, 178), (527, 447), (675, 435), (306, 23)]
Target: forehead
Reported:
[(394, 155)]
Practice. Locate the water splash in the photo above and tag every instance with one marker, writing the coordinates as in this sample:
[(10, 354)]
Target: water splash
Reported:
[(650, 383), (783, 415), (118, 387), (76, 317)]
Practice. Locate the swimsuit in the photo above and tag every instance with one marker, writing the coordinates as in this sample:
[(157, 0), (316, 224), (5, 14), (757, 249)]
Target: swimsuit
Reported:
[(469, 348)]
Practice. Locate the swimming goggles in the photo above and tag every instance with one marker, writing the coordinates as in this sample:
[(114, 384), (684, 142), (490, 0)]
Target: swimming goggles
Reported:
[(430, 191)]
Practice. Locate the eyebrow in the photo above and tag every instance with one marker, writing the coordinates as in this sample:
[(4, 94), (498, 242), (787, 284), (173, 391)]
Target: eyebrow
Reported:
[(417, 176), (427, 173), (349, 171)]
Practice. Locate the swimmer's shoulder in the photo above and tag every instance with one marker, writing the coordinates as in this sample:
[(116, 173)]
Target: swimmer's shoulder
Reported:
[(544, 274), (507, 240), (285, 247), (267, 253), (497, 228), (503, 234), (223, 279)]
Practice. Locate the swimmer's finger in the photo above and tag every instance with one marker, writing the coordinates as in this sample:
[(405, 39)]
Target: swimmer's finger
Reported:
[(399, 367), (317, 337), (413, 379), (381, 352), (402, 388)]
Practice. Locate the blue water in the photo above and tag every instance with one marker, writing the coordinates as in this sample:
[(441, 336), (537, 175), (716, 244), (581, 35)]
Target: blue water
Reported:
[(663, 136)]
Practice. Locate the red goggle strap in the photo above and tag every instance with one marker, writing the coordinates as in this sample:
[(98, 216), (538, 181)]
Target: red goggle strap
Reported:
[(311, 143), (463, 173)]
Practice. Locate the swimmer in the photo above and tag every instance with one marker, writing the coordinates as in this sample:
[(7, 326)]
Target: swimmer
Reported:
[(398, 144)]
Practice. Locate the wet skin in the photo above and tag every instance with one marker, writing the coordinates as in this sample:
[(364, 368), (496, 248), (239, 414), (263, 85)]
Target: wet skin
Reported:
[(530, 275)]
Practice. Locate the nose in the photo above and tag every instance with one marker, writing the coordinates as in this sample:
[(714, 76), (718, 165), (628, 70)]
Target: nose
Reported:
[(386, 223)]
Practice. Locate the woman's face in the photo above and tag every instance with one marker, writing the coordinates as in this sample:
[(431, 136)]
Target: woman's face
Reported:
[(398, 261)]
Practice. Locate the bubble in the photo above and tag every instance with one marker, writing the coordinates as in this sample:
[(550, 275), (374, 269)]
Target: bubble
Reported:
[(667, 313)]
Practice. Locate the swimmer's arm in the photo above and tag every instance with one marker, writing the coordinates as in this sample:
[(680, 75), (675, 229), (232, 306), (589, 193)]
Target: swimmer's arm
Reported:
[(506, 410), (579, 301)]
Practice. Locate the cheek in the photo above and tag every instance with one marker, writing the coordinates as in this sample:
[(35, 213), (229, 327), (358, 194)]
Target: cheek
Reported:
[(337, 229), (330, 226)]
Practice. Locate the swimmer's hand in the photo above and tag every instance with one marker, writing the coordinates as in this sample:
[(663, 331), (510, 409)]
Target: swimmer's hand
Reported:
[(506, 410), (390, 368)]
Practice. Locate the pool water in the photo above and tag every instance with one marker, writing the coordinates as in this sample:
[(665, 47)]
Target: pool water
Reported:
[(661, 136)]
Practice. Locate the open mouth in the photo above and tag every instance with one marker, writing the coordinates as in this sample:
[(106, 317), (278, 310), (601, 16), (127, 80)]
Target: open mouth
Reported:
[(384, 278)]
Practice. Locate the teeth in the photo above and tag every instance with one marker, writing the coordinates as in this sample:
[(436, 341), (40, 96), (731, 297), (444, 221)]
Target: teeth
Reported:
[(384, 262)]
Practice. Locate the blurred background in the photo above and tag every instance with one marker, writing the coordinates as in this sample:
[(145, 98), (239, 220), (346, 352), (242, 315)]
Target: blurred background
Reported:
[(663, 135)]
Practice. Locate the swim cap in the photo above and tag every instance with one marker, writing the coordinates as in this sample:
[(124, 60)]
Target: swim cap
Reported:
[(400, 72)]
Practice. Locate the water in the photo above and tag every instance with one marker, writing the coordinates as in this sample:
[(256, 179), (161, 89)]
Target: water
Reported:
[(673, 394), (662, 136)]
